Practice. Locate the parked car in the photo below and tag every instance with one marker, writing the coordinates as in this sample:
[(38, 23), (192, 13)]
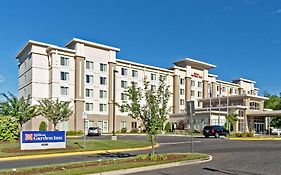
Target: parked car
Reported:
[(215, 131), (275, 130), (94, 131)]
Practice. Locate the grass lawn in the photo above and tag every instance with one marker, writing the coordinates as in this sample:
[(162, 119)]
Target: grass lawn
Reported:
[(102, 166), (8, 149)]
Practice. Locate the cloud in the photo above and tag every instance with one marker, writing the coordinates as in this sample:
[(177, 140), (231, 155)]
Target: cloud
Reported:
[(2, 79), (249, 2), (276, 12)]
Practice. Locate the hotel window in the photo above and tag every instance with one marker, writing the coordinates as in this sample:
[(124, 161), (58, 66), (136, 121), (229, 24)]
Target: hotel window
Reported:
[(64, 61), (134, 84), (24, 79), (199, 104), (89, 93), (89, 65), (181, 91), (134, 125), (223, 89), (64, 90), (192, 83), (89, 106), (181, 101), (124, 96), (199, 84), (89, 78), (64, 76), (218, 88), (236, 91), (102, 107), (102, 94), (134, 73), (162, 77), (231, 91), (123, 84), (254, 105), (124, 71), (103, 80), (182, 81), (192, 93), (25, 65), (153, 76), (24, 92), (153, 88), (199, 94), (123, 124), (103, 67)]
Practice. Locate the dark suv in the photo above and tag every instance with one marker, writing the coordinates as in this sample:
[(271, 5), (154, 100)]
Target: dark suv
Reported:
[(215, 131)]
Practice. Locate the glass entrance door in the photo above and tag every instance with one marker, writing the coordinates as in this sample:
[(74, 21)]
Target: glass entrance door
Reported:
[(259, 127)]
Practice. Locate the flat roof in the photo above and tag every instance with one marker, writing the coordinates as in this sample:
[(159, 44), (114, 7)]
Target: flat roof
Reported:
[(244, 79), (226, 82), (76, 40), (194, 63)]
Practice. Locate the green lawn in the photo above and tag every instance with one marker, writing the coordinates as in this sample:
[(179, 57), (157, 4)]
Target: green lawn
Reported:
[(8, 149), (102, 166)]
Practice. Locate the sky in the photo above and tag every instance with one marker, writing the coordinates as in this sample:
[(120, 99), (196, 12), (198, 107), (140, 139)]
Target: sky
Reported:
[(242, 37)]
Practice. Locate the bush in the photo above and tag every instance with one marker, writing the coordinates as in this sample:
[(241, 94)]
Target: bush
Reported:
[(244, 134), (74, 133), (8, 128), (162, 156), (142, 157), (182, 125), (123, 130), (250, 134), (134, 130), (80, 132), (168, 127), (117, 132), (43, 126)]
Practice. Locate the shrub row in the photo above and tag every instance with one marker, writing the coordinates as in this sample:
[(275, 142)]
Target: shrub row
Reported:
[(74, 133), (244, 134)]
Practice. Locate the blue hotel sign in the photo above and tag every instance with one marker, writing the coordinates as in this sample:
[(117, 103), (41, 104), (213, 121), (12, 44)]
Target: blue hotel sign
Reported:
[(31, 140)]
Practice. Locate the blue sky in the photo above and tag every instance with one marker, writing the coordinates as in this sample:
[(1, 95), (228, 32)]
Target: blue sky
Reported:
[(241, 37)]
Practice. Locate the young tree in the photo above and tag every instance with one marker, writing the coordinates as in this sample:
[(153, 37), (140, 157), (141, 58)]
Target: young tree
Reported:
[(55, 111), (154, 110), (274, 102), (231, 119), (20, 108)]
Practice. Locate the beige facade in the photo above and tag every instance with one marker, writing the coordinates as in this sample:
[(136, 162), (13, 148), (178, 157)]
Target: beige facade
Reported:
[(85, 73)]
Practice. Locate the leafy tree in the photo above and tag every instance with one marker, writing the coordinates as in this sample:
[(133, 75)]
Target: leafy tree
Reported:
[(168, 127), (274, 102), (231, 120), (9, 128), (20, 108), (55, 111), (153, 113)]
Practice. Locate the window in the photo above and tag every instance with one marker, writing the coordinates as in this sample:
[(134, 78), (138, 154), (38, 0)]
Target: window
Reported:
[(64, 76), (124, 71), (218, 88), (199, 104), (254, 105), (134, 84), (102, 107), (181, 101), (192, 93), (64, 90), (181, 91), (124, 96), (192, 83), (199, 84), (24, 79), (89, 65), (103, 80), (182, 81), (123, 84), (25, 65), (24, 92), (231, 90), (64, 61), (102, 94), (236, 91), (153, 87), (199, 93), (89, 93), (89, 78), (123, 124), (89, 106), (134, 125), (134, 73), (103, 67), (223, 89), (153, 76)]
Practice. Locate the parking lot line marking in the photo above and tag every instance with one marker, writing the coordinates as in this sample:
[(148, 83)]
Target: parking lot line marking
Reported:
[(175, 143)]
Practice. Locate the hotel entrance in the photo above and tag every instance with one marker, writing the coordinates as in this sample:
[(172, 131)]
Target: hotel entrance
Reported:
[(259, 123)]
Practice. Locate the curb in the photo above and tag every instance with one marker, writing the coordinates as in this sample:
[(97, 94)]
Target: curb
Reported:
[(39, 156), (255, 139), (154, 167), (169, 135)]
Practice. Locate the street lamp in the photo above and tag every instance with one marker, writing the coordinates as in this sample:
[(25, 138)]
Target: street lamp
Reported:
[(84, 119), (114, 137)]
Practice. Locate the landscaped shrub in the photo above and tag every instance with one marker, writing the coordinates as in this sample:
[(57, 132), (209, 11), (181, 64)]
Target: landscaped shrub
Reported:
[(43, 126), (134, 130), (123, 130), (238, 134), (74, 133), (244, 134), (182, 124), (80, 132), (250, 134), (117, 132), (168, 127), (8, 128)]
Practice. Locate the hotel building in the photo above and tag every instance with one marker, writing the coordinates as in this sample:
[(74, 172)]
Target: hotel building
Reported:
[(88, 75)]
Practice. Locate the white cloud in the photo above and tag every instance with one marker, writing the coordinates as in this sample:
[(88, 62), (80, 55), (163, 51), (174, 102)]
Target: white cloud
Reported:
[(1, 79), (276, 12)]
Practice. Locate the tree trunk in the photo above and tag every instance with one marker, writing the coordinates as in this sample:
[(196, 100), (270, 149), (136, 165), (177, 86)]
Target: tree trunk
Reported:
[(152, 144), (55, 126)]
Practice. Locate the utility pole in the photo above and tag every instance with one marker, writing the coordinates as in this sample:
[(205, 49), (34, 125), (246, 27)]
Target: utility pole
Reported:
[(114, 137), (190, 112)]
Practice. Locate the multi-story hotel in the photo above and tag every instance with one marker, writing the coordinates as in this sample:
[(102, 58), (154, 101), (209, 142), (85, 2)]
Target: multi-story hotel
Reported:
[(88, 74)]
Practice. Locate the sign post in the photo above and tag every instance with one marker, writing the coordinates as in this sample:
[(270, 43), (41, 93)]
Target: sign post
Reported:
[(84, 139), (190, 112)]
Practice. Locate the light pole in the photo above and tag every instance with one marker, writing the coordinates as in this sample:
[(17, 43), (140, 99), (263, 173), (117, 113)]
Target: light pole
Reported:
[(84, 119), (114, 137)]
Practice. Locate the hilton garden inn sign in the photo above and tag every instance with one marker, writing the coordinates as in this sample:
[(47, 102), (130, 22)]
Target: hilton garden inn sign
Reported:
[(32, 140)]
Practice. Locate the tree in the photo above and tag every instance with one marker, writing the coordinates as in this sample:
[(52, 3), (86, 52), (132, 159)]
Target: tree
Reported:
[(20, 109), (231, 120), (153, 113), (274, 102), (9, 128), (55, 111)]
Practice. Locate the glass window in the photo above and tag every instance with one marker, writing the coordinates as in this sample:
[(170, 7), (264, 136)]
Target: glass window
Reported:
[(103, 67), (89, 78), (64, 76), (182, 81), (199, 84), (199, 94), (134, 84), (254, 105), (102, 107), (89, 107), (123, 124), (89, 93), (153, 76), (89, 65), (124, 71), (192, 93), (134, 73), (64, 90), (153, 87), (123, 84), (102, 94), (134, 125), (181, 101), (192, 83), (64, 61), (103, 80), (124, 96), (181, 91)]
